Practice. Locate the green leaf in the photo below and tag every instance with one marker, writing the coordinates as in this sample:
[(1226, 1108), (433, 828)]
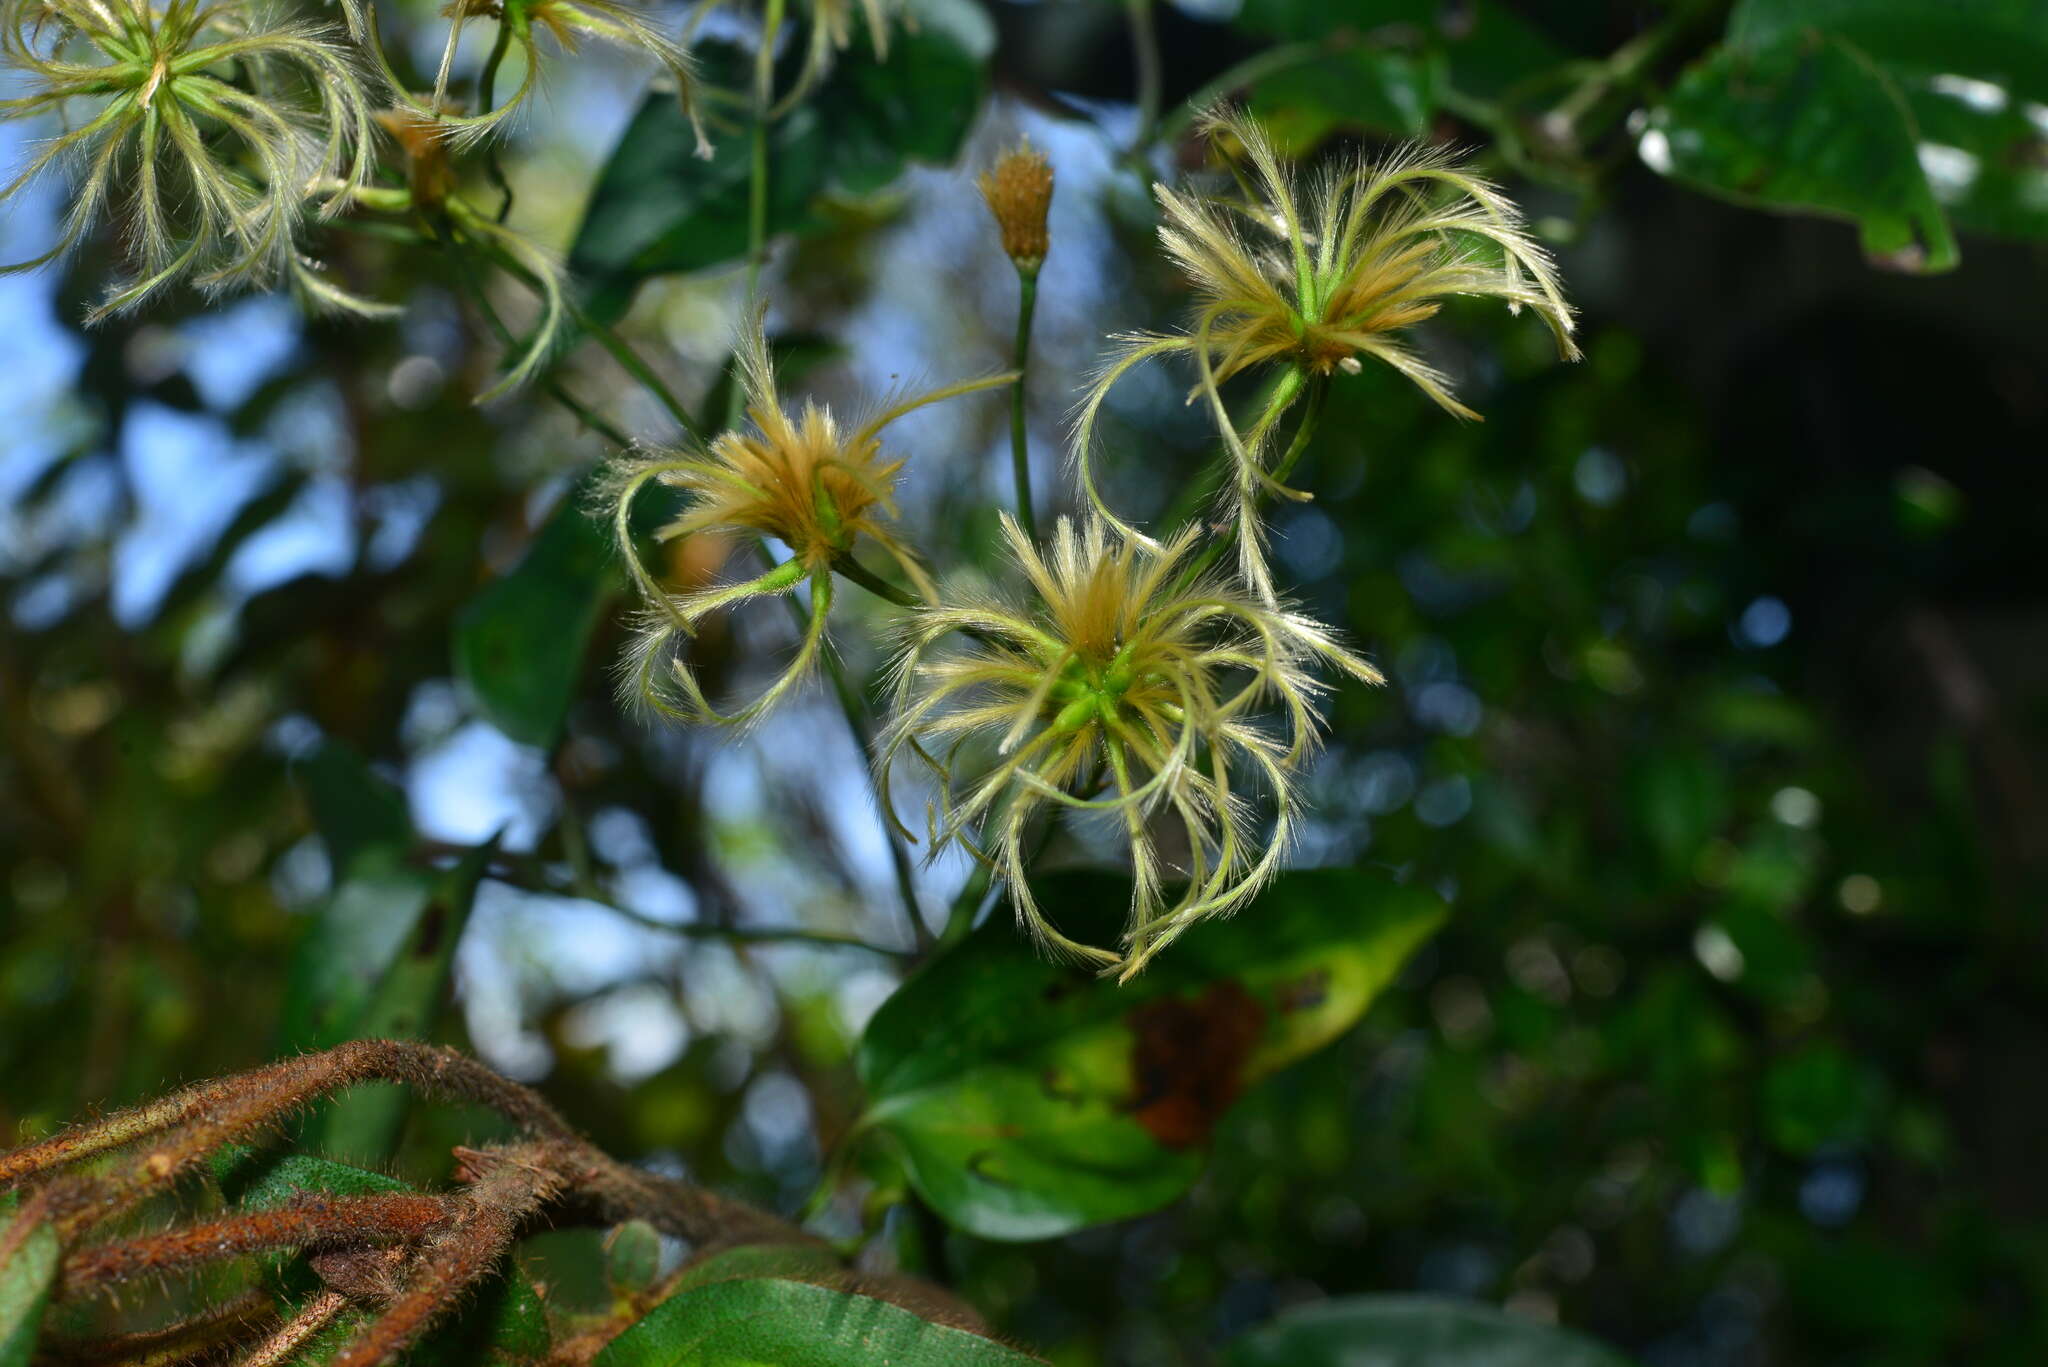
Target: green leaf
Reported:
[(1375, 88), (2004, 42), (1984, 156), (1311, 19), (659, 208), (375, 963), (1401, 53), (1968, 72), (1809, 124), (28, 1269), (521, 644), (1413, 1331), (354, 809), (1028, 1099), (260, 1181), (773, 1322)]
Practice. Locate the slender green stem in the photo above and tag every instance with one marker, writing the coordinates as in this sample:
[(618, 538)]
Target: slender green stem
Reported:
[(1305, 429), (636, 366), (1020, 446), (466, 280), (1195, 494), (851, 704), (899, 858), (1145, 46), (621, 351), (1624, 71), (856, 573), (486, 98), (757, 208), (1311, 413)]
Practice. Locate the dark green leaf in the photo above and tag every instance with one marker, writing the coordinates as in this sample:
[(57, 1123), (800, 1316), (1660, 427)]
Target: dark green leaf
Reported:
[(1413, 1331), (787, 1262), (1401, 52), (1374, 88), (520, 645), (28, 1269), (1492, 49), (660, 208), (1028, 1099), (1809, 124), (759, 1321), (1985, 157), (2004, 42), (1311, 19)]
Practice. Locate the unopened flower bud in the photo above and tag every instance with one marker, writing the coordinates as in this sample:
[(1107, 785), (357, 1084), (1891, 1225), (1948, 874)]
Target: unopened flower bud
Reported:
[(1018, 189)]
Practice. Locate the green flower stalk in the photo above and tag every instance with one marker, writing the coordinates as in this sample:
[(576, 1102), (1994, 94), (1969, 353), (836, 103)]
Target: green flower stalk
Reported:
[(431, 199), (800, 478), (203, 124), (1123, 687), (1304, 284), (1018, 191)]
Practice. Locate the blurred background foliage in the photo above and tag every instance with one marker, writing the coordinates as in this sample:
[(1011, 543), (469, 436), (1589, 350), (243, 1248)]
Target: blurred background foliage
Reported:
[(1719, 670)]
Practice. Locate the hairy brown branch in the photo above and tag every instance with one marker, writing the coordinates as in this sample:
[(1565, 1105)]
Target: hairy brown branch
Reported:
[(408, 1257), (505, 1187), (196, 1121), (308, 1221)]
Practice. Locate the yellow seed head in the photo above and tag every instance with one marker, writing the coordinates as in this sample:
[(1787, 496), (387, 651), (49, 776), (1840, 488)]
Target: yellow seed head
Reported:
[(820, 486), (1129, 685), (1018, 189), (1317, 277), (208, 129)]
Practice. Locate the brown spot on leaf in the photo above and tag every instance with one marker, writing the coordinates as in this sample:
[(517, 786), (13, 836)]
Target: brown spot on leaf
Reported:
[(1187, 1062)]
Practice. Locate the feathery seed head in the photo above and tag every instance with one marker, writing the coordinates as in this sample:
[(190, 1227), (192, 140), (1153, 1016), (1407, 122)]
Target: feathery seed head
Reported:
[(1324, 278), (801, 478), (1125, 686), (568, 22), (1018, 189), (1319, 279), (211, 175)]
